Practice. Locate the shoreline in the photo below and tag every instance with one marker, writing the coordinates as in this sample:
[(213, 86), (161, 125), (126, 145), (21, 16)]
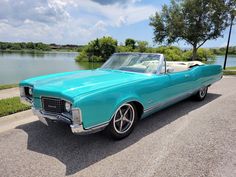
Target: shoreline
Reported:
[(37, 51)]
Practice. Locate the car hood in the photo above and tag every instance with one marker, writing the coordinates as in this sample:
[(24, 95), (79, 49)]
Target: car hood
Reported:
[(72, 84)]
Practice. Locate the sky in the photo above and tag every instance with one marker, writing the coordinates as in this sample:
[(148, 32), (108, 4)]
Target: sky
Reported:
[(79, 21)]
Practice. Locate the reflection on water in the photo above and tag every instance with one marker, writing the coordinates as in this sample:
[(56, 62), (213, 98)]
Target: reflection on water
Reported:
[(18, 66), (21, 65)]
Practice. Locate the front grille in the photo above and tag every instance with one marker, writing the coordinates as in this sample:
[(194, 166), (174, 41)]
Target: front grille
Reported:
[(53, 105)]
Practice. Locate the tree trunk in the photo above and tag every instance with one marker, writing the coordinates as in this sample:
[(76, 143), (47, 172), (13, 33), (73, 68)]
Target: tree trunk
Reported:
[(194, 56)]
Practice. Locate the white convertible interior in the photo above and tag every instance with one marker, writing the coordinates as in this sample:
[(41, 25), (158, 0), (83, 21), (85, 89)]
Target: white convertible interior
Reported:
[(171, 66), (178, 66)]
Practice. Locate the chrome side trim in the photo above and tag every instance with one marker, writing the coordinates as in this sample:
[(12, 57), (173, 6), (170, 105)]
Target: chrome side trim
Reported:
[(174, 100), (153, 107), (77, 129), (77, 125)]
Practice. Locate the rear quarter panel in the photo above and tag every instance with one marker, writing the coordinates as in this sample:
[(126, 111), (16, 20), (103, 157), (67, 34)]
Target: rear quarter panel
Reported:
[(206, 75)]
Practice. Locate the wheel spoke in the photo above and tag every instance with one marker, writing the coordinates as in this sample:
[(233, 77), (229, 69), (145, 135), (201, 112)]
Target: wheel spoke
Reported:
[(121, 124), (121, 114), (127, 120), (118, 120), (126, 111)]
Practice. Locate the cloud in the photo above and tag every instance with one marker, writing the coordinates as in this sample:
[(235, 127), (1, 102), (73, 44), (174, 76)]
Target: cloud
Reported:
[(100, 25), (106, 2), (67, 21), (117, 15), (16, 12)]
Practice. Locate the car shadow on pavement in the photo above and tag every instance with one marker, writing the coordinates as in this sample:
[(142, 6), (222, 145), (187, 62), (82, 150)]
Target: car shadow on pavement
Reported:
[(79, 152)]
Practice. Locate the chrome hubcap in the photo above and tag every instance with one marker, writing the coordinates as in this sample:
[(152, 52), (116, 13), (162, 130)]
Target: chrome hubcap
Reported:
[(202, 92), (124, 118)]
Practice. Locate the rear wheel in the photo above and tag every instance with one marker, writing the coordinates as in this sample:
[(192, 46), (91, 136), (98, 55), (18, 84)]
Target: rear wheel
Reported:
[(123, 121), (201, 94)]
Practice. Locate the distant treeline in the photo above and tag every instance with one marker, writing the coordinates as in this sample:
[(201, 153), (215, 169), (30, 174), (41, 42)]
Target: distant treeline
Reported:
[(221, 51), (38, 46), (99, 50), (131, 45)]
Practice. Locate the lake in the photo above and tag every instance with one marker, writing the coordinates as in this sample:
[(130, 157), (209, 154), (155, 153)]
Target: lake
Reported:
[(18, 66)]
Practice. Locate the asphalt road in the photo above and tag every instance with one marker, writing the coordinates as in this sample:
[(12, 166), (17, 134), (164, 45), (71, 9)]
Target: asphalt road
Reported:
[(187, 139)]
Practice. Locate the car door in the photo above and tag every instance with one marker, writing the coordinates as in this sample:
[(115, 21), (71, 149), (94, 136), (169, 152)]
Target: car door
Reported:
[(180, 83), (155, 90)]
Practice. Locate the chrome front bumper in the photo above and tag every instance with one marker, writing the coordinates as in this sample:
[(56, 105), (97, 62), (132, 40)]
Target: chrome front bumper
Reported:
[(74, 119), (75, 122)]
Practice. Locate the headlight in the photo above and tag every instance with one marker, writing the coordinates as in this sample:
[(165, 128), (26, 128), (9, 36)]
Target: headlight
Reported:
[(30, 91), (68, 106)]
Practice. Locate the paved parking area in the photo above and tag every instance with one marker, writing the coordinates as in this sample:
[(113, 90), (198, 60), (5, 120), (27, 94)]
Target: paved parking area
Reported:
[(187, 139)]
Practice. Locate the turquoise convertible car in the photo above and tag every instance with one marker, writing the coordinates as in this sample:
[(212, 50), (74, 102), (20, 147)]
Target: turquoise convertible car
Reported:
[(128, 87)]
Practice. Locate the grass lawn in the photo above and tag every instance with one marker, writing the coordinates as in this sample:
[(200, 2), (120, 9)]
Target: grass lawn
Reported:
[(7, 86), (231, 68), (230, 71), (11, 105)]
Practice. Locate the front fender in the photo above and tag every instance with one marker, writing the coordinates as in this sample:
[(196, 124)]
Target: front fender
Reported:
[(98, 109)]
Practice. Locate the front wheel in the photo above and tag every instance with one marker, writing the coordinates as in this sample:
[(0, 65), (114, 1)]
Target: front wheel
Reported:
[(201, 94), (123, 121)]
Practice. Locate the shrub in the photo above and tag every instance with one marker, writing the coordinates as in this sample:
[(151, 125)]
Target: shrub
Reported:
[(202, 55), (98, 50), (171, 53), (124, 49), (130, 43), (142, 46), (82, 56)]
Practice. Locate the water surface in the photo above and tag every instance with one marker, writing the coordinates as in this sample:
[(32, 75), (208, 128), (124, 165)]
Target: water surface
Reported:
[(18, 66), (231, 60)]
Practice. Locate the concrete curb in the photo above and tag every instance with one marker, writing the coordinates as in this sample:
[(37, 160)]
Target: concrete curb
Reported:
[(14, 120), (8, 93), (229, 76)]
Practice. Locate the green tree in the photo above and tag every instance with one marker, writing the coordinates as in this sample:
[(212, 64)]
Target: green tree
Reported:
[(107, 47), (142, 46), (194, 21), (23, 45), (171, 53), (93, 48), (41, 46), (15, 46), (124, 48), (205, 55), (98, 50), (130, 42), (30, 45)]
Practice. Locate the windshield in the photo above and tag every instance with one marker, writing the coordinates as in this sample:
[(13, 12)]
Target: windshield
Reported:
[(135, 62)]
